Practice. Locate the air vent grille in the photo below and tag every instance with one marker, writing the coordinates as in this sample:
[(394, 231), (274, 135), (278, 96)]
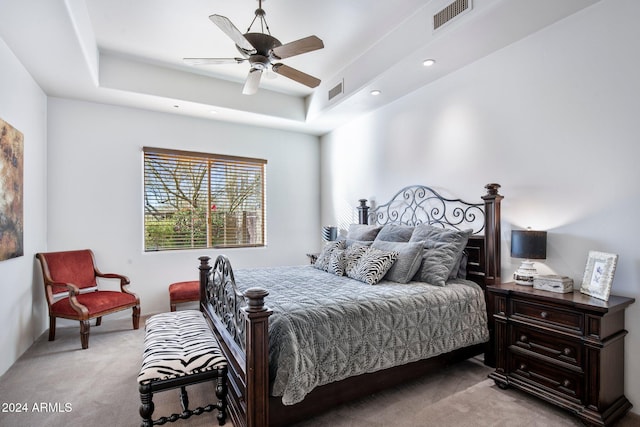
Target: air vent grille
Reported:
[(451, 11), (335, 91)]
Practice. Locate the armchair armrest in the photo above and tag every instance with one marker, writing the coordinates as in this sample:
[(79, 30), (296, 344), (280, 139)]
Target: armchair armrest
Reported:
[(124, 280), (73, 291)]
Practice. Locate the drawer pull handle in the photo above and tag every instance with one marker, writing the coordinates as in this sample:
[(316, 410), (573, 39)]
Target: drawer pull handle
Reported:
[(544, 314), (566, 383), (523, 338), (567, 351), (523, 367)]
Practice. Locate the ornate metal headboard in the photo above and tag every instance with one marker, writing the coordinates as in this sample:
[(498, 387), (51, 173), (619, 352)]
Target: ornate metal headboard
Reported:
[(418, 204)]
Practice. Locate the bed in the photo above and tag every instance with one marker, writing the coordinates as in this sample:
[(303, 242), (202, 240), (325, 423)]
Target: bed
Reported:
[(302, 339)]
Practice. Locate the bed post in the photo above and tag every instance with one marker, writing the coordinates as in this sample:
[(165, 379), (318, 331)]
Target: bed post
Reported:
[(363, 212), (257, 354), (205, 270), (492, 234)]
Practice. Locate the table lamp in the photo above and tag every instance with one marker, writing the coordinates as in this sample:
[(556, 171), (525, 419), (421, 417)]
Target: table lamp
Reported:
[(527, 244), (329, 233)]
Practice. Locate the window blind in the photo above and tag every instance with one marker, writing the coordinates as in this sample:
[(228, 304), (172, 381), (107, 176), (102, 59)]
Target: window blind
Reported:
[(201, 200)]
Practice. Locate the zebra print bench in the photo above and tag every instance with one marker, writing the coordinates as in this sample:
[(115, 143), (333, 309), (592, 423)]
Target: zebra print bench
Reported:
[(180, 350)]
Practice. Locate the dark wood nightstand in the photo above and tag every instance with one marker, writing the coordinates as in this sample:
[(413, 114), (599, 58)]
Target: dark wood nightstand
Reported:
[(567, 349)]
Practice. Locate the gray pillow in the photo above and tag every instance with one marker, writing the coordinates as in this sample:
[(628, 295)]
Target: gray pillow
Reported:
[(395, 233), (358, 242), (372, 265), (408, 262), (442, 249), (460, 269), (363, 232)]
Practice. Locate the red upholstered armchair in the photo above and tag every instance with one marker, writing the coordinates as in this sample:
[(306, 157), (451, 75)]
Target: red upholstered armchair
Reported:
[(72, 291)]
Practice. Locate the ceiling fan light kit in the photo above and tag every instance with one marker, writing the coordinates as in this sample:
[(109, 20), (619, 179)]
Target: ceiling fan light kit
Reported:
[(262, 51)]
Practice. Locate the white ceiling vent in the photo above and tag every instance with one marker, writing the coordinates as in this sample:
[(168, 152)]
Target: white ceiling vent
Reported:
[(450, 12), (336, 90)]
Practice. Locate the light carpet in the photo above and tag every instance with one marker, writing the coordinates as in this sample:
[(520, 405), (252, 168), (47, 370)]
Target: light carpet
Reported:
[(56, 384)]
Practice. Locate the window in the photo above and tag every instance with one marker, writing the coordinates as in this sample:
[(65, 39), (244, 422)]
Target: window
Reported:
[(198, 200)]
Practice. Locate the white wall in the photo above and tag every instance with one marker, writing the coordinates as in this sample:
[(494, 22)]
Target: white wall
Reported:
[(553, 118), (23, 105), (96, 190)]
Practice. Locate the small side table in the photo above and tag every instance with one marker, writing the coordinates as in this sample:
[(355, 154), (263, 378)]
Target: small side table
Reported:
[(313, 257)]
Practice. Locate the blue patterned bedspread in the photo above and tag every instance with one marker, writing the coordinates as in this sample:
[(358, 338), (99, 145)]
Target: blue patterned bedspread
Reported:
[(325, 328)]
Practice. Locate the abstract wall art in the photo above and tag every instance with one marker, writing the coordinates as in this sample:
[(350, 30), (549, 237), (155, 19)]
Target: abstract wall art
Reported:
[(11, 191)]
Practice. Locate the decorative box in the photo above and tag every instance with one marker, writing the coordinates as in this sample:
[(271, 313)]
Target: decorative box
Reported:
[(553, 283)]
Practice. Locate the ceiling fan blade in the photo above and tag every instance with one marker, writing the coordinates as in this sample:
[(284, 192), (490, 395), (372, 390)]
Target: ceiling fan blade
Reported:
[(252, 82), (296, 75), (229, 29), (298, 47), (205, 61)]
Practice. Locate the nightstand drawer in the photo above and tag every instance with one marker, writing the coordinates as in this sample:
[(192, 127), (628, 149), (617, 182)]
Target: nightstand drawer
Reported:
[(564, 319), (563, 382), (550, 345)]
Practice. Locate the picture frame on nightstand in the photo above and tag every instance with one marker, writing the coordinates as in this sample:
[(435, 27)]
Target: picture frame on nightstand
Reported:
[(598, 274)]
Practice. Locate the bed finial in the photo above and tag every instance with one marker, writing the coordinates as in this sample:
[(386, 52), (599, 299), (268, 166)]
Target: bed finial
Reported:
[(255, 299), (363, 212), (492, 189)]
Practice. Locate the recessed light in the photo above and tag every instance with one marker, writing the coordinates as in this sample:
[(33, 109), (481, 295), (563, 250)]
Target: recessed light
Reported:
[(375, 92), (428, 62)]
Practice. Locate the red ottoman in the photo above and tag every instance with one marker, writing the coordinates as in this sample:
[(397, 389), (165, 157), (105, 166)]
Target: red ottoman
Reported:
[(180, 292)]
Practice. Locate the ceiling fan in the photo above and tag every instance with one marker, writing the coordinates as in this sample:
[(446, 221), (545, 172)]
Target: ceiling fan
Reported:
[(262, 51)]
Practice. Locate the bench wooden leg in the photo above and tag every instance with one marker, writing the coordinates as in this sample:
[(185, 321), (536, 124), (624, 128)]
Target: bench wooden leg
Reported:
[(146, 407), (184, 399)]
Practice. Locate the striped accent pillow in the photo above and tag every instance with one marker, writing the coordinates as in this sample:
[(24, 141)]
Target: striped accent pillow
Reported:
[(337, 263), (372, 265), (324, 258)]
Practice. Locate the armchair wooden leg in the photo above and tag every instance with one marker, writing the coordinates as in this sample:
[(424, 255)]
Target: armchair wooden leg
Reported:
[(84, 333), (98, 321), (52, 328), (136, 317)]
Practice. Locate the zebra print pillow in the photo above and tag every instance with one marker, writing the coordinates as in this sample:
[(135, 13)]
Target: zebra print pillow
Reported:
[(324, 258), (373, 265), (351, 256), (177, 344), (337, 263)]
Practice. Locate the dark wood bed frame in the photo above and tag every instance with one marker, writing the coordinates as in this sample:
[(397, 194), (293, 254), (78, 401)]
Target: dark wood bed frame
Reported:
[(241, 320)]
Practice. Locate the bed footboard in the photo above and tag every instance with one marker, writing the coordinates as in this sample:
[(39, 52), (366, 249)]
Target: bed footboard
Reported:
[(240, 322)]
